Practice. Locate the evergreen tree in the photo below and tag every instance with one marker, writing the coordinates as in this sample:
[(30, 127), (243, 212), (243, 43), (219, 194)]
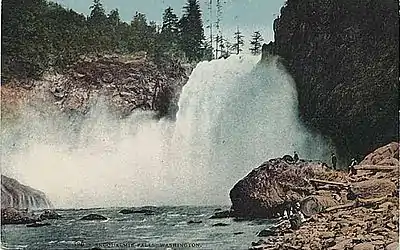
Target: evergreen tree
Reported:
[(208, 51), (142, 37), (169, 30), (114, 30), (97, 21), (114, 18), (239, 42), (191, 31), (97, 15), (24, 34), (218, 40), (255, 43)]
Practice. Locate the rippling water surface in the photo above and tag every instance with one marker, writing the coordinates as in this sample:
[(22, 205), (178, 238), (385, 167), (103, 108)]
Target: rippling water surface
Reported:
[(168, 225)]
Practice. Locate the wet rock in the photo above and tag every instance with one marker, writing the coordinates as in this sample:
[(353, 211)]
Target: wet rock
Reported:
[(267, 233), (274, 187), (221, 215), (94, 217), (137, 211), (38, 224), (194, 222), (49, 215), (220, 224)]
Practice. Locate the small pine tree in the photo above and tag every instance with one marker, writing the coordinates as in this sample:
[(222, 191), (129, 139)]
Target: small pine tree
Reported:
[(239, 42), (255, 43)]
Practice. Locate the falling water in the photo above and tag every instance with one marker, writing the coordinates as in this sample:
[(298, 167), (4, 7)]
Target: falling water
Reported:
[(233, 115)]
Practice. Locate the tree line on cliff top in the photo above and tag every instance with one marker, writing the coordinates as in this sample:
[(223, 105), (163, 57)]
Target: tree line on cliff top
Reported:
[(38, 35)]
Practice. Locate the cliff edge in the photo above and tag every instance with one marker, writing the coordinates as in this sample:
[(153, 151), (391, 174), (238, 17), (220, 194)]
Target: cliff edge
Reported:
[(16, 195), (344, 58)]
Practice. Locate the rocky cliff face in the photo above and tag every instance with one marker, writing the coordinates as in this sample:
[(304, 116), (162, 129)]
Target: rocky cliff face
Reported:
[(344, 57), (123, 83), (16, 195)]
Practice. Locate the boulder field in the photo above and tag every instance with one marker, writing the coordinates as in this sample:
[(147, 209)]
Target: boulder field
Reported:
[(342, 210)]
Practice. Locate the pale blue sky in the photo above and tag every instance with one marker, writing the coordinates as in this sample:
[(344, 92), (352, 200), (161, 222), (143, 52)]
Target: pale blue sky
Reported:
[(250, 15)]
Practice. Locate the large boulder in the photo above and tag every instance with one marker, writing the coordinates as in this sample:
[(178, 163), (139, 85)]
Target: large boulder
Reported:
[(373, 188), (314, 204), (14, 194), (275, 186), (386, 155)]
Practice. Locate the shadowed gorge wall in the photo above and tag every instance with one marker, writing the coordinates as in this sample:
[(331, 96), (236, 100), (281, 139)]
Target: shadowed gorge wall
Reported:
[(344, 57)]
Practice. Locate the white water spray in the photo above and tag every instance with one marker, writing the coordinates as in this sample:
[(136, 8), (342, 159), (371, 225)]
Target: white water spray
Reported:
[(233, 116)]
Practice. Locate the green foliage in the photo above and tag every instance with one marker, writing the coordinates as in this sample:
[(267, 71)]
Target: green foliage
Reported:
[(38, 35), (170, 32), (192, 31)]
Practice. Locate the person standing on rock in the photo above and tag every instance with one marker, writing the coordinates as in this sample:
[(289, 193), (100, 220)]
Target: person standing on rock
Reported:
[(295, 157), (334, 161), (352, 169)]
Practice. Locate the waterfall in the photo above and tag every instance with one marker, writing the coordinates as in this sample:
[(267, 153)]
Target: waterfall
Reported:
[(233, 115)]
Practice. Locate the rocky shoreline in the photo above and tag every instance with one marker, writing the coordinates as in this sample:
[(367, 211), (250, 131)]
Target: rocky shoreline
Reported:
[(342, 211)]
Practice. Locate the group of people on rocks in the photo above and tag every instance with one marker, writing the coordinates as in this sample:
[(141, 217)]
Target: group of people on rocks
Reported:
[(351, 168)]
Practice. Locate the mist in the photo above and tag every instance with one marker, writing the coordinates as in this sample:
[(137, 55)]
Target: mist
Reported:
[(233, 115)]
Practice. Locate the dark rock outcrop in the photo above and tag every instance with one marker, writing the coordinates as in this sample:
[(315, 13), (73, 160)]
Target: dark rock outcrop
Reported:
[(220, 224), (50, 215), (276, 186), (94, 217), (16, 195), (14, 216), (137, 211), (267, 233), (344, 57), (221, 215), (194, 222)]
